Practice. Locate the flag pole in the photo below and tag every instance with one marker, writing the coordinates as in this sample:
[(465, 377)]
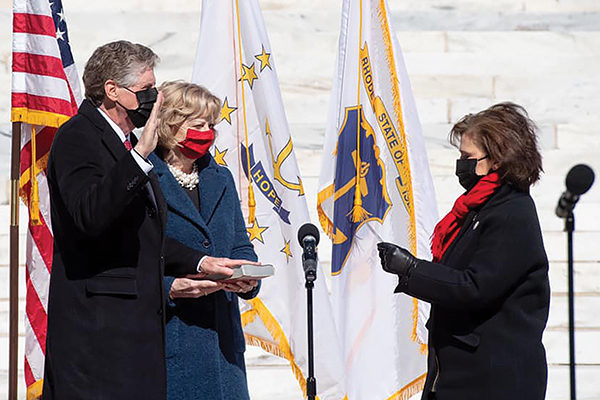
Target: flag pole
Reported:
[(14, 261)]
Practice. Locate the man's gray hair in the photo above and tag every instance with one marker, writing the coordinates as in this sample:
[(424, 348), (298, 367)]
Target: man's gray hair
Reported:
[(121, 61)]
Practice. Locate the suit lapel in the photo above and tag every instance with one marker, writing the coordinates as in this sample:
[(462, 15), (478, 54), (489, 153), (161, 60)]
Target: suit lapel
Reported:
[(113, 143), (161, 203), (176, 199), (109, 136)]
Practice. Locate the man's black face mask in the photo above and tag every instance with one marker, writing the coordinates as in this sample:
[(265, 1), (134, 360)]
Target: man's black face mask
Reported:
[(146, 99)]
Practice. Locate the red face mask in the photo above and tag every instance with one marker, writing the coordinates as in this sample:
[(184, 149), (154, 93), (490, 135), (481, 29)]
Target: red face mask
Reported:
[(196, 143)]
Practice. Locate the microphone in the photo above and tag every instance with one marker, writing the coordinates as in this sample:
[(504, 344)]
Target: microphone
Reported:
[(308, 236), (579, 180)]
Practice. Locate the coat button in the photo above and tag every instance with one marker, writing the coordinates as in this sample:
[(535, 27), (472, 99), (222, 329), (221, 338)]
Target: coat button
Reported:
[(160, 311), (206, 243)]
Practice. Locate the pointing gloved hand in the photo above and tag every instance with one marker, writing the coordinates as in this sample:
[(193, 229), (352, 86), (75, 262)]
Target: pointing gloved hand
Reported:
[(395, 259)]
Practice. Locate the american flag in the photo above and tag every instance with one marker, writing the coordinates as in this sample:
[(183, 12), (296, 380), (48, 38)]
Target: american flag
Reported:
[(45, 94)]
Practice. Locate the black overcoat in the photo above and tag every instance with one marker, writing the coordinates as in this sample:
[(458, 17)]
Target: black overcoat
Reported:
[(490, 299), (106, 301)]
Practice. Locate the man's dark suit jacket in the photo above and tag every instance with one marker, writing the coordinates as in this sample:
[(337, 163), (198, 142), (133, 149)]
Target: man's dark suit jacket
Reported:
[(490, 299), (106, 302)]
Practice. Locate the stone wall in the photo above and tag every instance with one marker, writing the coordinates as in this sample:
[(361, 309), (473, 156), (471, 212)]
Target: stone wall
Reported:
[(462, 56)]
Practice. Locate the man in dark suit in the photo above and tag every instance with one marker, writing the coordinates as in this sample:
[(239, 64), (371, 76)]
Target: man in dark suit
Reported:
[(105, 335)]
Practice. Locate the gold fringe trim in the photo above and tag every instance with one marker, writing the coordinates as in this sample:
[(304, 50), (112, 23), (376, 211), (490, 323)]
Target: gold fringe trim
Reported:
[(413, 335), (248, 317), (389, 56), (411, 389), (281, 347), (34, 391), (266, 346), (35, 117), (415, 316)]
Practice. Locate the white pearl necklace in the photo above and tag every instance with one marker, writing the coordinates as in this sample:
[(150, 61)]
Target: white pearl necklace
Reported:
[(187, 181)]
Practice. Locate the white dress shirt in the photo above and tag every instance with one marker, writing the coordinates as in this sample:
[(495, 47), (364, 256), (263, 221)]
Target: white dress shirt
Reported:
[(144, 164)]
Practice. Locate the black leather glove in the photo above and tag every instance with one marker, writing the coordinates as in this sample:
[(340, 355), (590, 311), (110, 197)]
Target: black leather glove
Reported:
[(395, 259)]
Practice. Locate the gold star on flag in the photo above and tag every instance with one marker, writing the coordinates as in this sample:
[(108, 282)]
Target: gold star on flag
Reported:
[(256, 231), (249, 74), (265, 59), (287, 250), (220, 156), (226, 111)]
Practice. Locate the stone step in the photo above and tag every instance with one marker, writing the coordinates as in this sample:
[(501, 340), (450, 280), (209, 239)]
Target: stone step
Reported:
[(586, 322), (586, 312), (261, 379), (261, 383), (586, 344), (317, 6), (586, 280), (586, 380)]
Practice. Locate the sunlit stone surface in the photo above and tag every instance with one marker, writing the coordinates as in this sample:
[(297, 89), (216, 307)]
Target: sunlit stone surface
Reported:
[(462, 56)]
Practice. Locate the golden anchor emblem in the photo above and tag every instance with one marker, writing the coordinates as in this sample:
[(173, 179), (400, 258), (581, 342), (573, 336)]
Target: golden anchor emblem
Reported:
[(278, 162)]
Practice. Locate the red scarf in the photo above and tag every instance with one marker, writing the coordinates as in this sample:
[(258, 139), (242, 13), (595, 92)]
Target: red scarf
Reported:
[(448, 228)]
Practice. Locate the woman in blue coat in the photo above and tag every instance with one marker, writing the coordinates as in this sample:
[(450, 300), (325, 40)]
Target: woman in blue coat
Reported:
[(204, 339)]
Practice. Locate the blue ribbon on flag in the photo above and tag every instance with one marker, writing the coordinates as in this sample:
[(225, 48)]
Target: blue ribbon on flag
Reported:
[(263, 183)]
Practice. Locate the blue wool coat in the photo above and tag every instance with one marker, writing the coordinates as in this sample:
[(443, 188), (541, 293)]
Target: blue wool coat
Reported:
[(204, 339)]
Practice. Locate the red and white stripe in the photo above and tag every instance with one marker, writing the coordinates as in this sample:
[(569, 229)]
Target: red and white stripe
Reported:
[(40, 83), (38, 265)]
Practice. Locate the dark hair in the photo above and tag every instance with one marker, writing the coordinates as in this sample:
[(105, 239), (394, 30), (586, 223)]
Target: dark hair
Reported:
[(508, 136)]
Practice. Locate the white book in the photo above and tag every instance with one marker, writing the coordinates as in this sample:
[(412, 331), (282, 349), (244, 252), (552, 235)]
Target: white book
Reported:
[(246, 271)]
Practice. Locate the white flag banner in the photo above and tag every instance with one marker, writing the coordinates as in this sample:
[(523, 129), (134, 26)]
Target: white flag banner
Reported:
[(234, 61), (375, 185)]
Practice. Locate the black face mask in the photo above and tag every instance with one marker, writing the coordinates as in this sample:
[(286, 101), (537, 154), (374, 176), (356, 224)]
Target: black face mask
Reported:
[(465, 171), (146, 99)]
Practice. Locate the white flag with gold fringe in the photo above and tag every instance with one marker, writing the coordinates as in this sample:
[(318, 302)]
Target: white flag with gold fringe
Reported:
[(375, 185), (234, 61)]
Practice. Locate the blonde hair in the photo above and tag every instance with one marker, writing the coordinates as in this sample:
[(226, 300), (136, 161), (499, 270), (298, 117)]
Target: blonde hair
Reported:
[(184, 101)]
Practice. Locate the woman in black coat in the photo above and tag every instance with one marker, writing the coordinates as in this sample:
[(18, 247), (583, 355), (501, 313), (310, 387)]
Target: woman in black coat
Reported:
[(488, 282)]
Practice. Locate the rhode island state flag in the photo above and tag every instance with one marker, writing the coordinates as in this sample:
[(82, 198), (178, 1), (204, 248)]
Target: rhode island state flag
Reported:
[(235, 62)]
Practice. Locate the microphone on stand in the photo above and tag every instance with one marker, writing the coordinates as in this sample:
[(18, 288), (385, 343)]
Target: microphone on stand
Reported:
[(308, 236), (579, 180)]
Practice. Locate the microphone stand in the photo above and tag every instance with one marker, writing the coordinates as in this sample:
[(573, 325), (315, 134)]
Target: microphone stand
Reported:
[(311, 382), (569, 228)]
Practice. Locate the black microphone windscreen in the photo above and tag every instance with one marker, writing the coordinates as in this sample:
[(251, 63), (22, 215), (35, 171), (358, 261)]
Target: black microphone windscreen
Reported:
[(306, 230), (579, 179)]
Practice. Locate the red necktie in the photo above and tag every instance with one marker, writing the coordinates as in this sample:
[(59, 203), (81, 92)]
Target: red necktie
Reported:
[(127, 144)]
